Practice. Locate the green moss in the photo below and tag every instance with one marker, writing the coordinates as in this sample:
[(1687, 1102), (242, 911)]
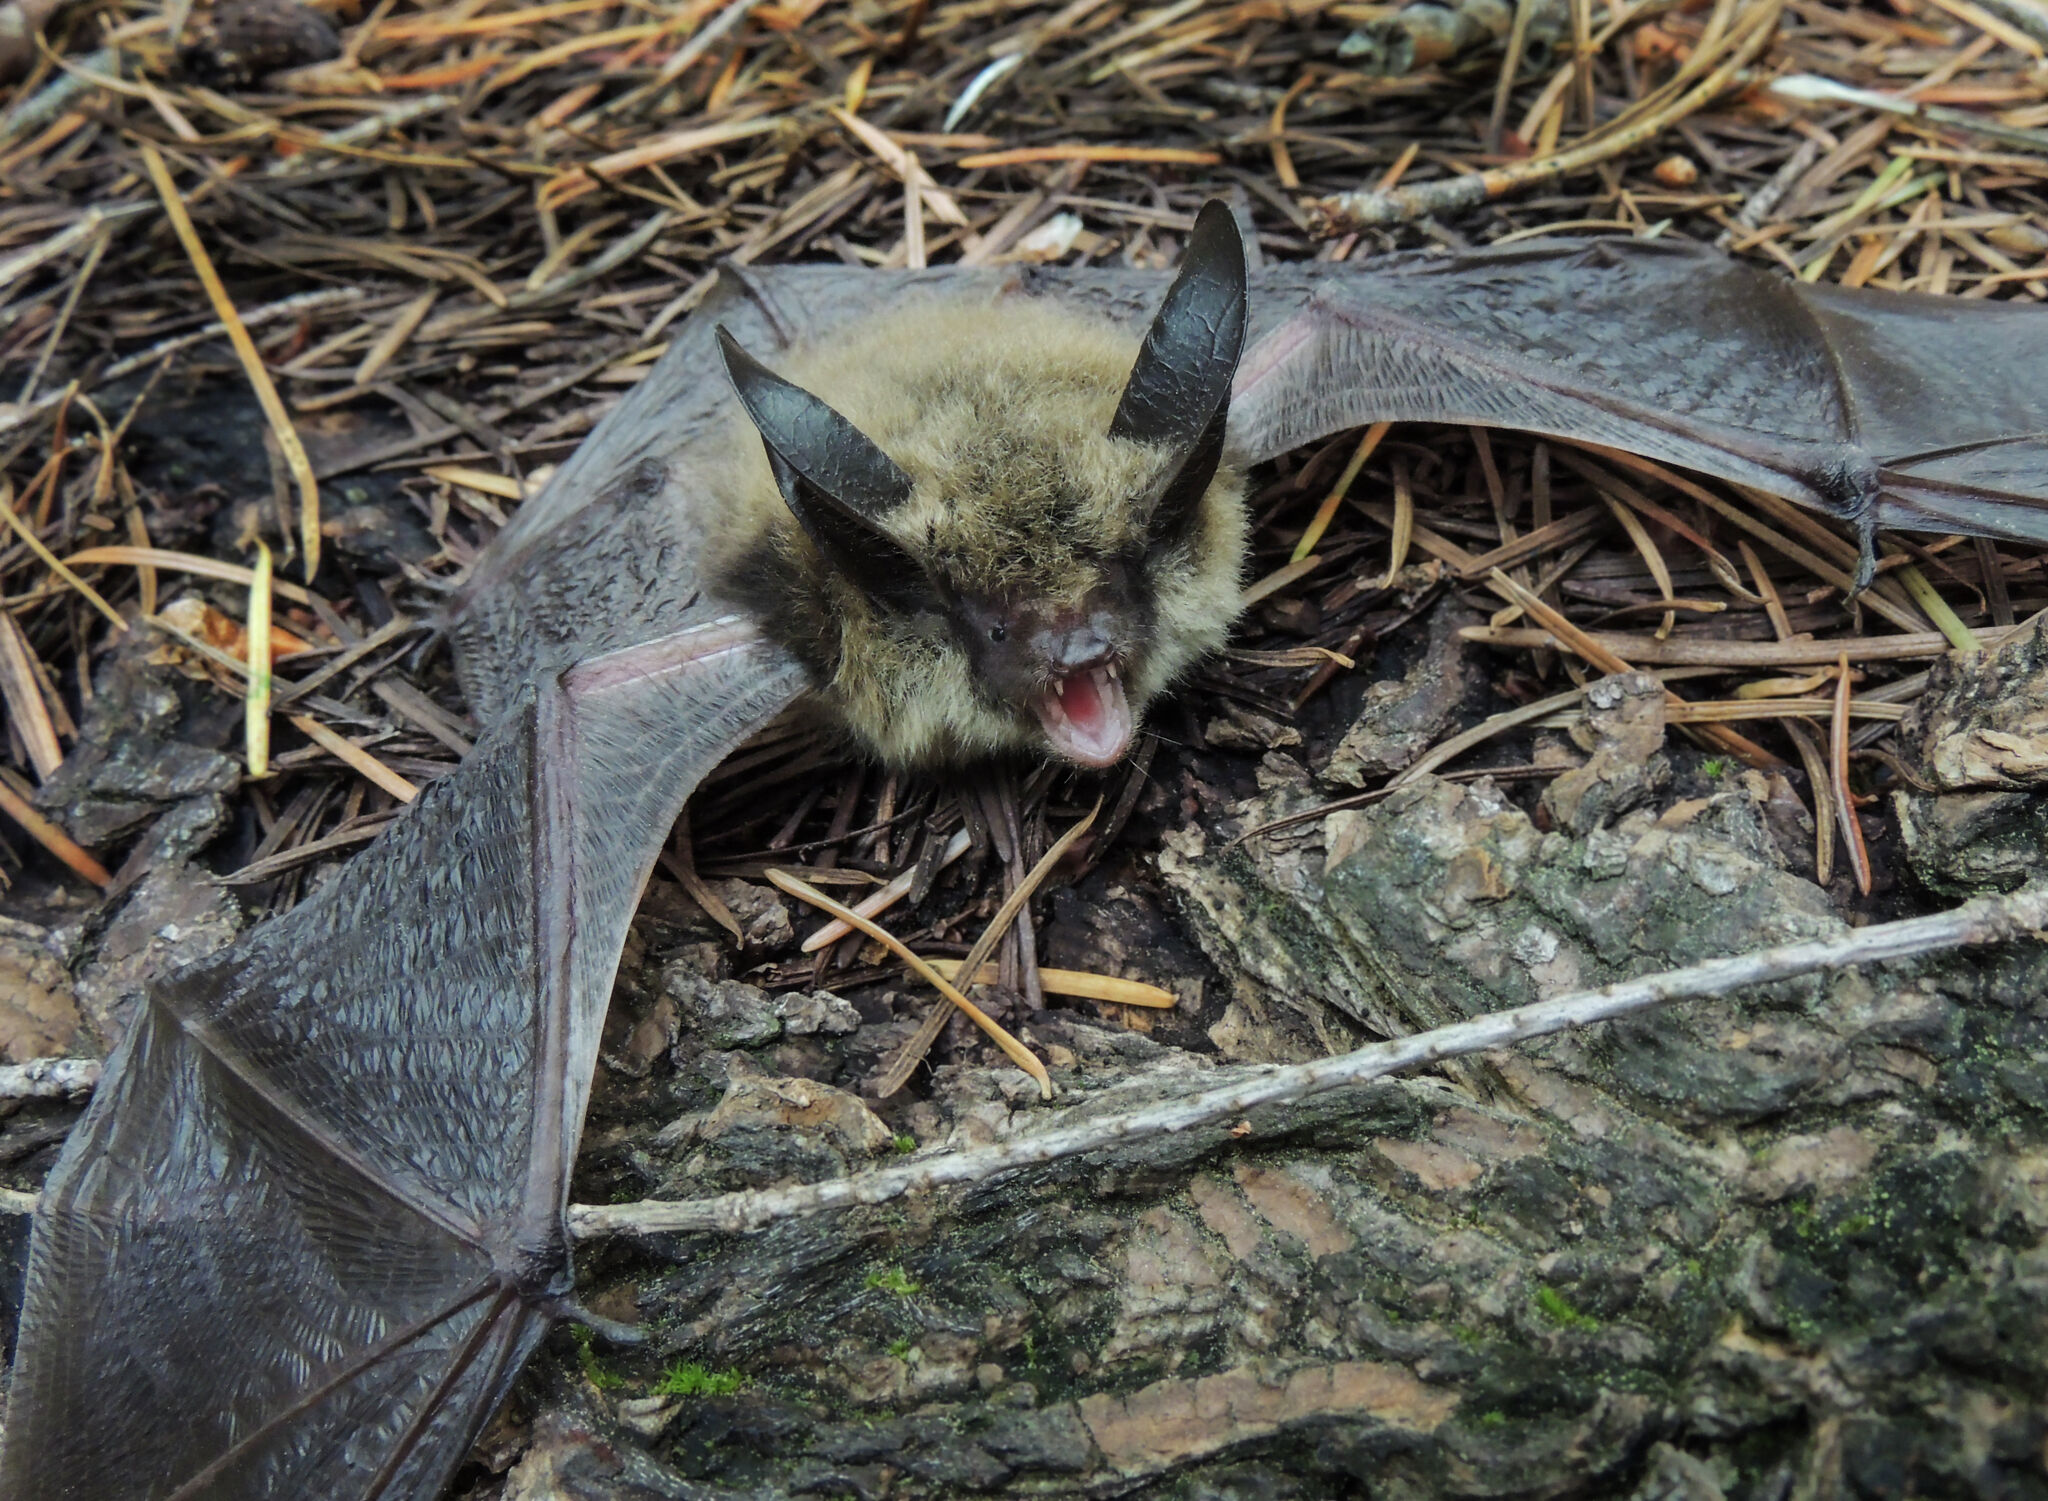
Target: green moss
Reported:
[(688, 1379), (1557, 1308), (593, 1369), (893, 1279), (906, 1143), (899, 1348)]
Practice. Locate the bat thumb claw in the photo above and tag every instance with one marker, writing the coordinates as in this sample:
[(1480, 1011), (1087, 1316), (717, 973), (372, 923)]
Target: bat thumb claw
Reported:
[(611, 1331)]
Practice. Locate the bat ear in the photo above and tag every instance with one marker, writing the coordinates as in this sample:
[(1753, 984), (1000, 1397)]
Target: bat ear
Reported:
[(1178, 396), (833, 479)]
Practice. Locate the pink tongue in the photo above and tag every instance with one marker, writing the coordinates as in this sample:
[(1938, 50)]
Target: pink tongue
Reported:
[(1083, 703)]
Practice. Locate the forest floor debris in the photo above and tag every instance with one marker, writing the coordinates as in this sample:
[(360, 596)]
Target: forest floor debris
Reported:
[(1783, 1238)]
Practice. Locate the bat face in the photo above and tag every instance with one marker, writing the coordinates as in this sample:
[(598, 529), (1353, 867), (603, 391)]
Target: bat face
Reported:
[(997, 527)]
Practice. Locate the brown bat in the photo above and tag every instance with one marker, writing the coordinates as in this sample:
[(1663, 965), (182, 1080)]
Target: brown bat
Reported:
[(314, 1221)]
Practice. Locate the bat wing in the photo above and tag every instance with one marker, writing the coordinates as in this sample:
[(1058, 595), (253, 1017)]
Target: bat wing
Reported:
[(312, 1224), (1869, 405), (1950, 397)]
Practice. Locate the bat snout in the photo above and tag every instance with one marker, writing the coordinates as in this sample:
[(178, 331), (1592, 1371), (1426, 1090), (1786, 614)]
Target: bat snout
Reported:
[(1074, 645)]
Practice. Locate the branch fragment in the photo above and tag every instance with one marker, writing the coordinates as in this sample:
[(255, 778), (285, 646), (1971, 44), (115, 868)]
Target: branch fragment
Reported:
[(1987, 920)]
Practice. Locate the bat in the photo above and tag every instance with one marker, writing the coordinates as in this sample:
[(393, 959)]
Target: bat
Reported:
[(313, 1221)]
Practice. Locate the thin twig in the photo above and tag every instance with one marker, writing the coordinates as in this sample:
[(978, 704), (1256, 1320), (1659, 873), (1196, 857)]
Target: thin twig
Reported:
[(49, 1079), (1988, 920)]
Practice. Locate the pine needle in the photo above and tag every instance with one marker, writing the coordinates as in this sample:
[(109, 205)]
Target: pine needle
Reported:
[(1082, 983), (1327, 511), (353, 755), (1017, 1052), (245, 349), (17, 807)]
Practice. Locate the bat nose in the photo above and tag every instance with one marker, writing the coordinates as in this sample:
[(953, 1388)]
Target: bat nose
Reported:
[(1076, 646)]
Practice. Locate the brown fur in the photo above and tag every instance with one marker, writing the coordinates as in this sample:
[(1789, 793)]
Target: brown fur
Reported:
[(999, 413)]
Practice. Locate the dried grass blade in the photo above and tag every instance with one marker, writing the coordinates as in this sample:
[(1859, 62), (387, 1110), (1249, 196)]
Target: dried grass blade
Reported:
[(1653, 559), (1280, 578), (1688, 651), (1403, 530), (1838, 769), (904, 165), (1738, 710), (354, 756), (256, 708), (1774, 607), (1015, 1050), (245, 349), (501, 485), (24, 696), (574, 182), (1276, 132), (1717, 564), (1024, 155), (913, 216), (680, 861), (145, 575), (49, 559), (388, 344), (1960, 636)]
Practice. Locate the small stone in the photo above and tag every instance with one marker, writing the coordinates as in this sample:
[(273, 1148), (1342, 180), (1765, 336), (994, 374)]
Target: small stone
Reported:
[(721, 1013), (1400, 720), (1623, 730), (39, 1015), (753, 1102), (647, 1416), (820, 1011), (1676, 172), (172, 918), (764, 920), (1239, 729)]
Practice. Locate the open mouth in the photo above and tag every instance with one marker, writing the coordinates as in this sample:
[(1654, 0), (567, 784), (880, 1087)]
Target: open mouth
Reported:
[(1086, 716)]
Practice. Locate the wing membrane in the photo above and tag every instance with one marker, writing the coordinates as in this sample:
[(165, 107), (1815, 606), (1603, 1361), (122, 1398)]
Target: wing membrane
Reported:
[(311, 1226)]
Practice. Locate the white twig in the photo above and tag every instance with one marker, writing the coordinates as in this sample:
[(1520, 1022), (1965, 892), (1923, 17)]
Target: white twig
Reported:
[(77, 232), (49, 1078), (1811, 88), (1988, 920), (13, 416)]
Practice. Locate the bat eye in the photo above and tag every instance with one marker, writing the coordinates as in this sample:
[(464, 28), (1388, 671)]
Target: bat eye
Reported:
[(998, 633)]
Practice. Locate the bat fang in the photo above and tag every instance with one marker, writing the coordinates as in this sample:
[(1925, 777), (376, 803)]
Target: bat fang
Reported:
[(1087, 716)]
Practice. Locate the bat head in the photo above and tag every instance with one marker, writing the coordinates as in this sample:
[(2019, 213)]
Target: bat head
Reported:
[(1011, 530)]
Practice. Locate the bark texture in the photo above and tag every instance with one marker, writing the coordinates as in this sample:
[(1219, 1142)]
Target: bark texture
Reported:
[(1788, 1243)]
